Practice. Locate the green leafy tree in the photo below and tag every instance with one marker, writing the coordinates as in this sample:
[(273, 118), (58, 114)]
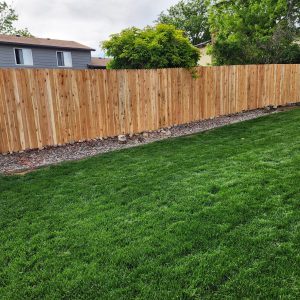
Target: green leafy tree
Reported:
[(190, 16), (254, 31), (8, 17), (161, 46)]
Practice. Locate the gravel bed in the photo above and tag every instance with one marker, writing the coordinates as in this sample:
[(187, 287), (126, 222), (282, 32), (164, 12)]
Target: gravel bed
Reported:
[(30, 160)]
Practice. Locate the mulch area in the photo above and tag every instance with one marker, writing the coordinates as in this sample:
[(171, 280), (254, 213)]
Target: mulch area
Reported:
[(33, 159)]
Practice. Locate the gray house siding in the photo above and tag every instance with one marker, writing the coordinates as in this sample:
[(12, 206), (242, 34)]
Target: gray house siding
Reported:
[(43, 57)]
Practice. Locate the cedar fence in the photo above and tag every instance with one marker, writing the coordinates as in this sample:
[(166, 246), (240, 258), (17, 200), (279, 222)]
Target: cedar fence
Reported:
[(41, 107)]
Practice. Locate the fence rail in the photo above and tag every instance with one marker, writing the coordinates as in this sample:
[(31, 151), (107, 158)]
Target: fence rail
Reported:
[(41, 107)]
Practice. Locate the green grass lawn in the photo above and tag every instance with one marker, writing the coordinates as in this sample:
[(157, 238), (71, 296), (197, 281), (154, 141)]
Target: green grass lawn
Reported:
[(209, 216)]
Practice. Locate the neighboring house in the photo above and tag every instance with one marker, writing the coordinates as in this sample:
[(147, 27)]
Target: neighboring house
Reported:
[(99, 63), (205, 59), (31, 52)]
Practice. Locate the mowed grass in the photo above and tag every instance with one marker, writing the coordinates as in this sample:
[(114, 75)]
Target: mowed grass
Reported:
[(209, 216)]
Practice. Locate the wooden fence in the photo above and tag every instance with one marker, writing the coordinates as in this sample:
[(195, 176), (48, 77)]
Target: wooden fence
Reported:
[(53, 107)]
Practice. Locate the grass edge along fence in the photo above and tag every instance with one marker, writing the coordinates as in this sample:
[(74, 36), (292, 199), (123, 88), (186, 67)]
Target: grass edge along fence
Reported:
[(43, 107)]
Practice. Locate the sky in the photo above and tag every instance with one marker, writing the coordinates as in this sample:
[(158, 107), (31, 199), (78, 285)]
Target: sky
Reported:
[(86, 21)]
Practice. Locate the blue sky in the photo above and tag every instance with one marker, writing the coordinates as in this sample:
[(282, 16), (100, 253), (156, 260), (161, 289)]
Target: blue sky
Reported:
[(86, 21)]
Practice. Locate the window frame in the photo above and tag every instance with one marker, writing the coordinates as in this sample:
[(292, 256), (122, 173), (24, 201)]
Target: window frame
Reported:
[(63, 53), (57, 59), (22, 49)]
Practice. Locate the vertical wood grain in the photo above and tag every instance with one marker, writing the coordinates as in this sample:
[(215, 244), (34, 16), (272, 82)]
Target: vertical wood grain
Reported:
[(40, 107)]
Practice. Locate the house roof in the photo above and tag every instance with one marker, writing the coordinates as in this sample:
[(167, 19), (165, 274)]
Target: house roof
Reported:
[(99, 62), (202, 45), (39, 42)]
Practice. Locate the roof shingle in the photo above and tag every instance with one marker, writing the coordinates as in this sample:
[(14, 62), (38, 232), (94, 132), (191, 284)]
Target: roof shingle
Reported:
[(40, 42)]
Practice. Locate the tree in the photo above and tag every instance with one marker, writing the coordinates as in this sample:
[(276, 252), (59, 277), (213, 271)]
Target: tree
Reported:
[(161, 46), (191, 17), (7, 18), (254, 31)]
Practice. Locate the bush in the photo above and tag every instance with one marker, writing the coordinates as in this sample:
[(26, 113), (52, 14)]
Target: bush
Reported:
[(161, 46)]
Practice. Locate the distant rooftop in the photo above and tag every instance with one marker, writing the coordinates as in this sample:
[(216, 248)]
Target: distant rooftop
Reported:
[(41, 42), (202, 45), (97, 62)]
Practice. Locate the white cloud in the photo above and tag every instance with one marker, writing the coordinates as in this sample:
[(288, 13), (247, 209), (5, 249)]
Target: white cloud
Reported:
[(86, 21)]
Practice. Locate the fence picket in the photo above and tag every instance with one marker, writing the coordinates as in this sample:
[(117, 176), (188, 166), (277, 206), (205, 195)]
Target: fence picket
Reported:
[(48, 107)]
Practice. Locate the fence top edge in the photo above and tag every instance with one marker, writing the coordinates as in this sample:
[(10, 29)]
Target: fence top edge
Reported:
[(134, 70)]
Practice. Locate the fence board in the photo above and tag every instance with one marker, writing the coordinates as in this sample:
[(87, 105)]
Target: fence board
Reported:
[(40, 107)]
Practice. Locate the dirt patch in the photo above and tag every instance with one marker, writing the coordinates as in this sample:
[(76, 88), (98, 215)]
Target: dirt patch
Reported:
[(22, 163)]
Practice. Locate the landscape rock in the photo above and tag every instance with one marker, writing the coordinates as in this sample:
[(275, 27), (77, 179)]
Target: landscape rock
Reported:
[(122, 139), (30, 160)]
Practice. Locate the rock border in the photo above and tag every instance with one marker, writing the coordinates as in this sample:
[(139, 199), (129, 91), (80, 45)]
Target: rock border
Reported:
[(18, 163)]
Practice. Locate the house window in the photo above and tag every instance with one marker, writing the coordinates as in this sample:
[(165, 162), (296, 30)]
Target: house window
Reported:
[(64, 59), (23, 56)]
